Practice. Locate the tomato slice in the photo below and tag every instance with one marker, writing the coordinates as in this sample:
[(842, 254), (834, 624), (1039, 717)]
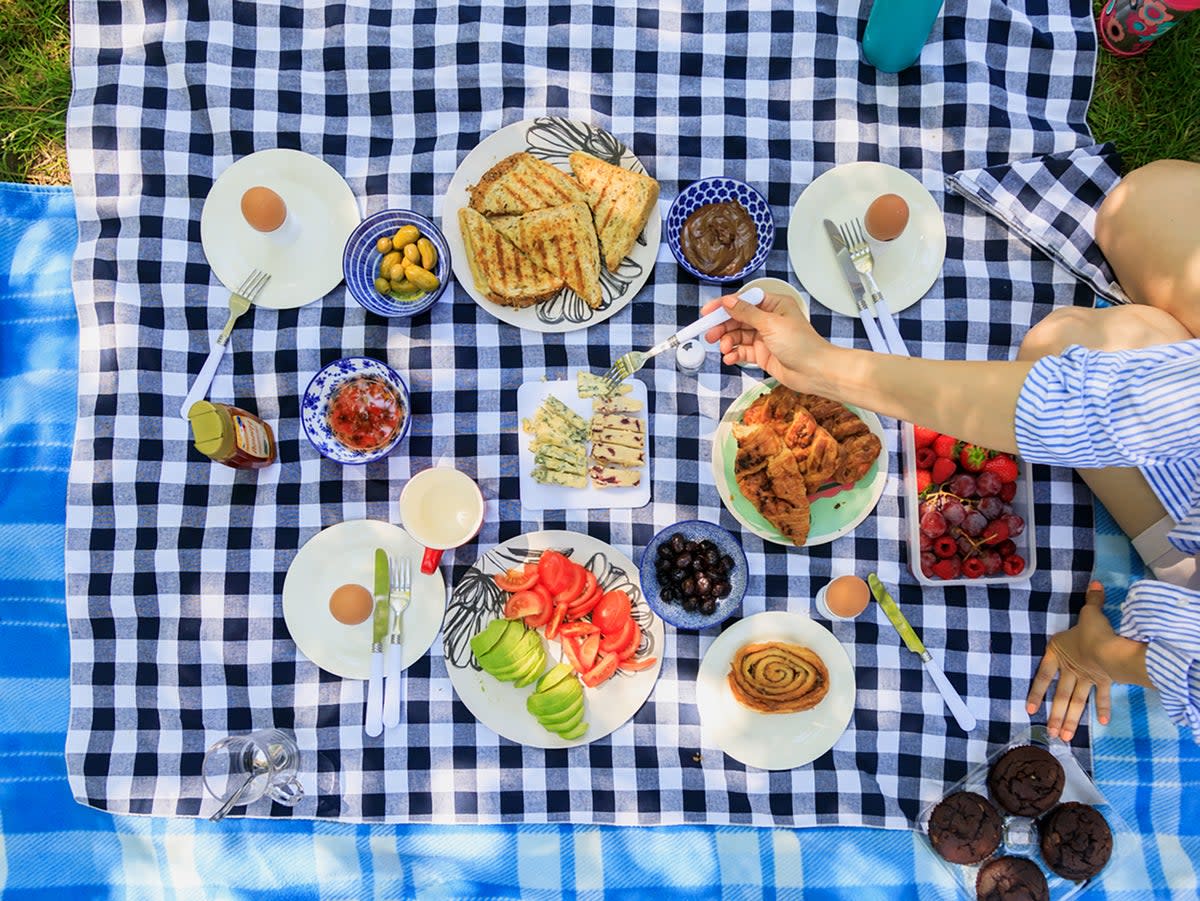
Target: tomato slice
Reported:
[(602, 671), (630, 648), (612, 643), (560, 611), (574, 587), (571, 652), (585, 604), (612, 612), (588, 650), (553, 571), (632, 666), (524, 603), (538, 620), (578, 629), (517, 579)]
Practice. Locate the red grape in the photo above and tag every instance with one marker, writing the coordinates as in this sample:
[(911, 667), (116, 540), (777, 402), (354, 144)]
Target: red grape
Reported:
[(1016, 525), (991, 507), (953, 511), (988, 484), (933, 524), (974, 523), (963, 485)]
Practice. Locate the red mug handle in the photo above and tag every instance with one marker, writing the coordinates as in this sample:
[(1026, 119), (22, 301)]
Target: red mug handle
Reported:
[(430, 560)]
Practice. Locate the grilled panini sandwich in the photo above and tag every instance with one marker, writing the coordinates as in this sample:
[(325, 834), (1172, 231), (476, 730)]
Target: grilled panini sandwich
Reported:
[(561, 240), (621, 203), (522, 183), (503, 273)]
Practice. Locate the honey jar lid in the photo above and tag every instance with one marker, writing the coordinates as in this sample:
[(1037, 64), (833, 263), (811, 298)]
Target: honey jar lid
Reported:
[(208, 429)]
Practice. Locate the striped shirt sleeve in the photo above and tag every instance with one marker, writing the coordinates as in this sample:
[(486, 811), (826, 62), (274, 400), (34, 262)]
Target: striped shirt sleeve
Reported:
[(1168, 618), (1091, 409)]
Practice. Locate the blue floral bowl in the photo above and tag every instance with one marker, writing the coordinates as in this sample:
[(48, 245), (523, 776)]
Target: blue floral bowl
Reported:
[(672, 611), (360, 262), (314, 408), (720, 189)]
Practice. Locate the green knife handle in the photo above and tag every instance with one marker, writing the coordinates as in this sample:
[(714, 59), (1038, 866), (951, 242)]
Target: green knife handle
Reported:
[(911, 641)]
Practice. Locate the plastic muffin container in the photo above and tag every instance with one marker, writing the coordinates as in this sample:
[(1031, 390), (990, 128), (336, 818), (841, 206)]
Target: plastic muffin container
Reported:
[(1019, 835), (1022, 505)]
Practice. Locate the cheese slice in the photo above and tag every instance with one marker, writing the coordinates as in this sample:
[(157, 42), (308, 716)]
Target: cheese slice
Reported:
[(621, 422), (616, 405), (619, 438), (592, 385), (614, 477), (556, 477), (617, 454)]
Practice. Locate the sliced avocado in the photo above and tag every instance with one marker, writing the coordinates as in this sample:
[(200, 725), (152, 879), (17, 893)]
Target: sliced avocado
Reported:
[(564, 720), (506, 651), (537, 666), (575, 733), (487, 638), (517, 668), (556, 699), (556, 675)]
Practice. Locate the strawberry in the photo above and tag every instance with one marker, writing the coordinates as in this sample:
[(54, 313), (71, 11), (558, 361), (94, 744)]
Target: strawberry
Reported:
[(973, 568), (1002, 465), (995, 532), (925, 458), (972, 458), (1014, 565), (949, 568), (924, 480), (943, 469), (944, 445), (923, 436)]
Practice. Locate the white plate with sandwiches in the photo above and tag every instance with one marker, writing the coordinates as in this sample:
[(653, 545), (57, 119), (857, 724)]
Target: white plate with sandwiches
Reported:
[(583, 453), (553, 224)]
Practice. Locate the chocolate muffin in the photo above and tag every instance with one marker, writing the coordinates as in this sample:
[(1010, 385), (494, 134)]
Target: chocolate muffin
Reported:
[(1076, 840), (964, 828), (1026, 781), (1011, 879)]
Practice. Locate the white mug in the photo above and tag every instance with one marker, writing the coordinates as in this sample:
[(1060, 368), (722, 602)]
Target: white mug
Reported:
[(441, 508)]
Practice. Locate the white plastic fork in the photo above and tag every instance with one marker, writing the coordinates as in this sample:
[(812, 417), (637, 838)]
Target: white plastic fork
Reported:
[(401, 575), (629, 363)]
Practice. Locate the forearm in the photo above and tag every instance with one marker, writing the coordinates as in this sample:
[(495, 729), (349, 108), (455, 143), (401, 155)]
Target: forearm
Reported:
[(972, 400)]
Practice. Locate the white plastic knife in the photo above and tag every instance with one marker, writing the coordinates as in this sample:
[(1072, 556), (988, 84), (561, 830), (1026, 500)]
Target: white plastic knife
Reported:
[(850, 274)]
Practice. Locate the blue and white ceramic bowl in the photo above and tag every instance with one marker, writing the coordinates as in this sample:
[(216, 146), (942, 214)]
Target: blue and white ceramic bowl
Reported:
[(360, 262), (720, 189), (314, 408), (673, 612)]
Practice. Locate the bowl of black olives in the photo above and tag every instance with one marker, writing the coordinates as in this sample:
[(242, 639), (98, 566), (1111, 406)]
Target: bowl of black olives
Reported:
[(694, 574)]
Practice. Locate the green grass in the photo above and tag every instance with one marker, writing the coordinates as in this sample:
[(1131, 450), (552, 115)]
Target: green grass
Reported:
[(1149, 106)]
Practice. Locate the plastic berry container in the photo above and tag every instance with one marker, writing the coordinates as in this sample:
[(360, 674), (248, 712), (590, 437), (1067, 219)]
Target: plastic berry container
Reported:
[(1022, 505)]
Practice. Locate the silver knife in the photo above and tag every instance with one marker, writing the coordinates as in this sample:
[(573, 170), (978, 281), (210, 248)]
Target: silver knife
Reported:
[(850, 274), (379, 630)]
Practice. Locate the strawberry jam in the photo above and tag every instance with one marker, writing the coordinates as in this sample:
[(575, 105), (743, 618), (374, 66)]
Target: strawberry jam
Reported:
[(365, 413)]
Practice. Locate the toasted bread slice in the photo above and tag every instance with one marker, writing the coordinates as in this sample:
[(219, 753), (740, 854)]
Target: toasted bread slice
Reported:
[(621, 203), (561, 240), (522, 183), (504, 273)]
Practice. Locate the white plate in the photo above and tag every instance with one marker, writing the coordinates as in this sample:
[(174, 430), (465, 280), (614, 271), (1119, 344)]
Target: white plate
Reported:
[(553, 140), (535, 495), (773, 741), (346, 553), (904, 268), (499, 705), (304, 256), (833, 515)]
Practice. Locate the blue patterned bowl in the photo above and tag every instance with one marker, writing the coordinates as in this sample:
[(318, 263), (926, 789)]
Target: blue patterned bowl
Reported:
[(314, 408), (672, 611), (360, 262), (720, 189)]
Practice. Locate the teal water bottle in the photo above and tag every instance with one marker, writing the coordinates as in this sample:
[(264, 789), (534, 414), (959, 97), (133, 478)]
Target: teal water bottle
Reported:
[(896, 32)]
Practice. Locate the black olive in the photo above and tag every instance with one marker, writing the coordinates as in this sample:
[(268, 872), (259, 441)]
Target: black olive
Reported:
[(712, 556), (684, 560), (703, 584), (688, 587), (723, 589), (708, 606), (678, 543), (667, 594), (663, 565), (728, 561), (706, 545), (689, 604), (678, 575), (664, 551)]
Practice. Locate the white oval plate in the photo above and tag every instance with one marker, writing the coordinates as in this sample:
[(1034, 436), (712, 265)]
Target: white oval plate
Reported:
[(499, 705), (552, 139), (773, 741), (905, 268), (304, 257), (832, 515), (345, 553)]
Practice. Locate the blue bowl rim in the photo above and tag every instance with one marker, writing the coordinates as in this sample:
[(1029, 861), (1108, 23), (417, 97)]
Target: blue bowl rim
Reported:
[(677, 251), (400, 436), (659, 605), (428, 227)]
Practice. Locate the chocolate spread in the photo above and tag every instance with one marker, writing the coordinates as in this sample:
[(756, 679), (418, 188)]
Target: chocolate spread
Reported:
[(719, 238)]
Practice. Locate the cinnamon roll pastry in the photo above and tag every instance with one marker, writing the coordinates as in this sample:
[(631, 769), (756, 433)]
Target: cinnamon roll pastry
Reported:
[(777, 677)]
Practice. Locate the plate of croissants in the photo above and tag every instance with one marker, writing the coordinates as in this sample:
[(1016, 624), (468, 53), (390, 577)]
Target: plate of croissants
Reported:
[(798, 469)]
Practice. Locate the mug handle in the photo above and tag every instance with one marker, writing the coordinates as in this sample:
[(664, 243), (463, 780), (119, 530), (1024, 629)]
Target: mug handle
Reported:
[(289, 793), (430, 560)]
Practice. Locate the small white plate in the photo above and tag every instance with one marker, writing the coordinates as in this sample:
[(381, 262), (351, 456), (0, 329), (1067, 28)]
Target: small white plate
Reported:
[(552, 139), (905, 268), (773, 741), (342, 554), (500, 705), (834, 512), (304, 256), (535, 495)]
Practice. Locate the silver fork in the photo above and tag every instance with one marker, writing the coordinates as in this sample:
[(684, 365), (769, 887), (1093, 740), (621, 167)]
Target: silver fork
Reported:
[(860, 255), (401, 574), (239, 303), (627, 364)]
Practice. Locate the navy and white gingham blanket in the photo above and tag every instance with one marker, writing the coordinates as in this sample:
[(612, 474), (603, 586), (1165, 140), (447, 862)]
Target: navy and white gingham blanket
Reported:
[(174, 566)]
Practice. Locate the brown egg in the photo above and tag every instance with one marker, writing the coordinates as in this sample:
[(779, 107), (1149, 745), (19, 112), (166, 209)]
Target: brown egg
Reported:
[(350, 604), (847, 596), (263, 209), (886, 217)]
